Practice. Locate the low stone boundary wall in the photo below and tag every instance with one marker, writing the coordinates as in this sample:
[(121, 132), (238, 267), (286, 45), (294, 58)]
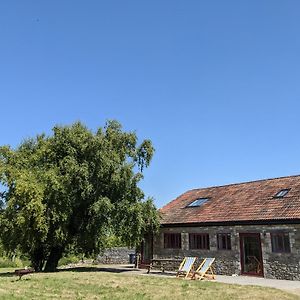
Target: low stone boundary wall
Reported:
[(117, 255)]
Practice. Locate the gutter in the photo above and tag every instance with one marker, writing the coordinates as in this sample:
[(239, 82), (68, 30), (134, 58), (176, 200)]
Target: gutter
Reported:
[(233, 223)]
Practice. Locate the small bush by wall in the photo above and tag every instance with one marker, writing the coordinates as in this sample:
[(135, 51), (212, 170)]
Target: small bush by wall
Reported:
[(69, 259)]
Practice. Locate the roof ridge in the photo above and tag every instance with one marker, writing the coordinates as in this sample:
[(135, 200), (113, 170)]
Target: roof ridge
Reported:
[(240, 183)]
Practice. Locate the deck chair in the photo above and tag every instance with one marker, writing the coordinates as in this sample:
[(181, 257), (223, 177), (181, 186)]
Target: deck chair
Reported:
[(204, 270), (186, 267)]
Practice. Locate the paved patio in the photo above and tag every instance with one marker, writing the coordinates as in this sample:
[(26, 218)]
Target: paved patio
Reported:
[(287, 285)]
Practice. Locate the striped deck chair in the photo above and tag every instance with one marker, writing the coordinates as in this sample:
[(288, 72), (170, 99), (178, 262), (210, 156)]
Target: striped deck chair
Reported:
[(204, 270), (185, 267)]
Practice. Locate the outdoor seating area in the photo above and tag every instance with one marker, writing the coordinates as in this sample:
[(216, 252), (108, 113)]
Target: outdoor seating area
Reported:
[(188, 268)]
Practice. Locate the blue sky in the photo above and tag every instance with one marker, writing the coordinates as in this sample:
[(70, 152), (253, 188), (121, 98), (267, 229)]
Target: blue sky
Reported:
[(214, 84)]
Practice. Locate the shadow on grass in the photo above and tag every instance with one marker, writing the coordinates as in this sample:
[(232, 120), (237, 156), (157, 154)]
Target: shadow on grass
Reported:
[(109, 269), (99, 269), (7, 274), (123, 269), (17, 277), (118, 270)]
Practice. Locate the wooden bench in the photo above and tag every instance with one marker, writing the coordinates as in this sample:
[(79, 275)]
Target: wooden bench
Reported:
[(22, 272)]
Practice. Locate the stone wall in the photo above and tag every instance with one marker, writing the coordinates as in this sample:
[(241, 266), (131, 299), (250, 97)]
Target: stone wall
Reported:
[(117, 255), (228, 262)]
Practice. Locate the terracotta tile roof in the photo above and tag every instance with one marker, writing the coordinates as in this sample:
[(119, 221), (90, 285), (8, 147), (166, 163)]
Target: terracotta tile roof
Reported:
[(249, 201)]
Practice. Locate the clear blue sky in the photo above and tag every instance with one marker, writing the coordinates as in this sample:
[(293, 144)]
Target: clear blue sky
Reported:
[(214, 84)]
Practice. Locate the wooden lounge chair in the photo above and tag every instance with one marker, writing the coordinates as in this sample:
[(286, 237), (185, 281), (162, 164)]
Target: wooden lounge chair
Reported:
[(186, 267), (204, 270)]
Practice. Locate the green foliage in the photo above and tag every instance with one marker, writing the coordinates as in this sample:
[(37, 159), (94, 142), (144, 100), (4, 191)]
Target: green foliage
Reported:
[(6, 262), (73, 190), (114, 241), (69, 259)]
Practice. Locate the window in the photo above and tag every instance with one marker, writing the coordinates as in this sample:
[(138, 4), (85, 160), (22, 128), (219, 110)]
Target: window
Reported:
[(224, 241), (280, 242), (199, 241), (172, 240), (197, 202), (281, 193)]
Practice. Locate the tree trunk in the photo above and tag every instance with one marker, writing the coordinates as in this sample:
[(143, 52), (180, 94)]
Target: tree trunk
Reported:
[(52, 261), (37, 259)]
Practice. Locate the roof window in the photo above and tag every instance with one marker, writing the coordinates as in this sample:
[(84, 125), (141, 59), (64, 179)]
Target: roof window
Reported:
[(282, 193), (198, 202)]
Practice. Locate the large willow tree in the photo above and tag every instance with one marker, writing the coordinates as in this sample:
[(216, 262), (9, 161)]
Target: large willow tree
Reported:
[(71, 190)]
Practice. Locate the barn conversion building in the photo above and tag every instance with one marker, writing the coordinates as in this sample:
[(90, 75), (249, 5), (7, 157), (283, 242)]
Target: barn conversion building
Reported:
[(251, 228)]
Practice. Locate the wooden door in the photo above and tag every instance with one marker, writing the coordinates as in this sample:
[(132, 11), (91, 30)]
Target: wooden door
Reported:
[(251, 254)]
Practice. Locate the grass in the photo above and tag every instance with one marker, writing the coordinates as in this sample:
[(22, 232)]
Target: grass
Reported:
[(96, 284)]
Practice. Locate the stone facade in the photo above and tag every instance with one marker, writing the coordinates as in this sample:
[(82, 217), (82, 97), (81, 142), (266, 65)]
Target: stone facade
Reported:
[(117, 255), (228, 262)]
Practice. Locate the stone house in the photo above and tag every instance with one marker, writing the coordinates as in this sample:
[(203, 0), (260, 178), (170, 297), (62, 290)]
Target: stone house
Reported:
[(251, 228)]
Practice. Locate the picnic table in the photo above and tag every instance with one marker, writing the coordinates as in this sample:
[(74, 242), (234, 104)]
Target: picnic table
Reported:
[(163, 262)]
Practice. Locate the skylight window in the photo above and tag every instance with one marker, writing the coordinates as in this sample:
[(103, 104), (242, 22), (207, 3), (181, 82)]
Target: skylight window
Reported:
[(282, 193), (197, 202)]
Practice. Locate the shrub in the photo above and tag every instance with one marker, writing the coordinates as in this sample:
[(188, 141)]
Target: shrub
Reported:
[(70, 259), (16, 263)]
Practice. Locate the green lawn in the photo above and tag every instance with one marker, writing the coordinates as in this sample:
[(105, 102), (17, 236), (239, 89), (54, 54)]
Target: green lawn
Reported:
[(93, 284)]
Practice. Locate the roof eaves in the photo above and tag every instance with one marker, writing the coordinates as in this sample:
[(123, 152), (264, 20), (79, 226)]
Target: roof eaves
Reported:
[(233, 223)]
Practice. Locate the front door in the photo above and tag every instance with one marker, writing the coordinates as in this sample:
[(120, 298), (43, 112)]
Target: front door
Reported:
[(251, 255)]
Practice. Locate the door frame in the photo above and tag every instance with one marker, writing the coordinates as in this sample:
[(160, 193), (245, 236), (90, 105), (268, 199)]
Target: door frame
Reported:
[(257, 235)]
